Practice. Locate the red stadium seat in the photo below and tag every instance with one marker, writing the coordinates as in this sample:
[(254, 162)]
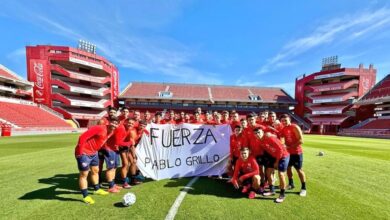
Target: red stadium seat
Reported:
[(29, 116)]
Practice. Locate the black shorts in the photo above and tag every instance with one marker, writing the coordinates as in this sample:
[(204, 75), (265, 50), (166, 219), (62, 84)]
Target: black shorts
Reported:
[(268, 160), (248, 181), (123, 149), (101, 154), (260, 160), (296, 160), (234, 160)]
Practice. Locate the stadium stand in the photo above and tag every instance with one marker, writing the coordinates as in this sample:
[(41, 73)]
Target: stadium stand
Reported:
[(374, 110), (326, 98), (30, 116), (19, 112)]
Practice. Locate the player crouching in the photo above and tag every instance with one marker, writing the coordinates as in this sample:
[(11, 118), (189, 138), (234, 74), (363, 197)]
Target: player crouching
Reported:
[(246, 173), (279, 158), (86, 153)]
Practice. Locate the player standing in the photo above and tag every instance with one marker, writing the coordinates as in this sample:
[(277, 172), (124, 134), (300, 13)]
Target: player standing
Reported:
[(86, 154), (292, 135)]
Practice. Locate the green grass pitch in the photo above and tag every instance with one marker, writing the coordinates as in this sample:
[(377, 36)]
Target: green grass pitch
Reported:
[(38, 180)]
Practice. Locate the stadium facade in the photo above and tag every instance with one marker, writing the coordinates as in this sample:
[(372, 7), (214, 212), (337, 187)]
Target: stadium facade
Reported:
[(326, 99), (186, 97), (74, 82)]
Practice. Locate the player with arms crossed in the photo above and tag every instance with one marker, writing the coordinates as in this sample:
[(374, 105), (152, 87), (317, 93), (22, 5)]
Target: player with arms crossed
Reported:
[(293, 139), (86, 153), (246, 173)]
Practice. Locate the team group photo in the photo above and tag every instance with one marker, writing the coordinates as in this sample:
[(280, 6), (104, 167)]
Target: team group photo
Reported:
[(194, 109)]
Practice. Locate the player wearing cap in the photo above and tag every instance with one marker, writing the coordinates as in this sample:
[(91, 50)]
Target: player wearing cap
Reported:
[(293, 139), (246, 173), (86, 153)]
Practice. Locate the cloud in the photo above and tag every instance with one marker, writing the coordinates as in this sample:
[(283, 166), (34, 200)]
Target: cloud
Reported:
[(346, 28), (17, 55), (130, 40), (241, 82)]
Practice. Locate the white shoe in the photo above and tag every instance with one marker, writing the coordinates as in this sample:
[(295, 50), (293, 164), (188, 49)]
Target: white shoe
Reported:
[(280, 199), (302, 192), (269, 193), (290, 187)]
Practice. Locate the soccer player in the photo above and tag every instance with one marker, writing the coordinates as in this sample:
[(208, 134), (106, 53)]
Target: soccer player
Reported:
[(137, 118), (237, 140), (86, 153), (111, 111), (293, 139), (181, 118), (147, 117), (225, 117), (244, 123), (111, 157), (158, 118), (274, 125), (124, 115), (246, 173), (262, 120), (171, 118), (197, 119), (279, 159), (257, 151), (235, 120), (126, 140)]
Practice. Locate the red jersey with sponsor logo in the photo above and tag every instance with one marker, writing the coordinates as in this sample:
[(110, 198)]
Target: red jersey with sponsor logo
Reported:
[(274, 147), (291, 135), (92, 140), (236, 142), (246, 169)]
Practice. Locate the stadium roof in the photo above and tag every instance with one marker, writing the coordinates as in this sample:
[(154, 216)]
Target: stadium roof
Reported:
[(379, 93), (7, 74), (203, 92)]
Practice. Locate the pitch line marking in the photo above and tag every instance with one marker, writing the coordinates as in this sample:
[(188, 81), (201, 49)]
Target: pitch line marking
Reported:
[(175, 207)]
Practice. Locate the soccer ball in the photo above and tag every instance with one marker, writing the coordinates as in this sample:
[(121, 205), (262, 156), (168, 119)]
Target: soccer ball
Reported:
[(321, 153), (128, 199)]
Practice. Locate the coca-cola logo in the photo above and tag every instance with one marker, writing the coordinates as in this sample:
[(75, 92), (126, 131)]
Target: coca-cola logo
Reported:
[(38, 71)]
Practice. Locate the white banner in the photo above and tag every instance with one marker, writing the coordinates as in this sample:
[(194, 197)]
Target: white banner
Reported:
[(173, 151)]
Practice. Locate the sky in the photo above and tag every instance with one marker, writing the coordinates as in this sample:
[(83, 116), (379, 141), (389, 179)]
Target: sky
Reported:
[(244, 43)]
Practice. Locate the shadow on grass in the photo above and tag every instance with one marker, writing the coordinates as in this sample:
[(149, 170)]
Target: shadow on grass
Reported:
[(62, 184), (208, 186)]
